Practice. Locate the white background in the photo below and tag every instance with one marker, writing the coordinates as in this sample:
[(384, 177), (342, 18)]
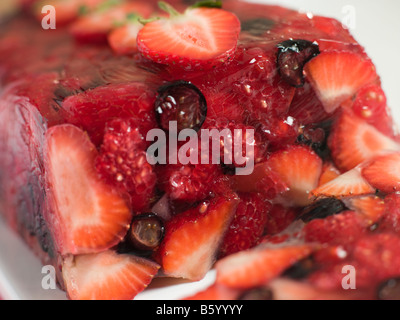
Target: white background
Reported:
[(377, 28)]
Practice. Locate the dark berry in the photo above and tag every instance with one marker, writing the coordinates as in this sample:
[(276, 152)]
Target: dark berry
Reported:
[(258, 26), (315, 138), (301, 269), (147, 231), (321, 209), (182, 102), (262, 293), (389, 290), (292, 56)]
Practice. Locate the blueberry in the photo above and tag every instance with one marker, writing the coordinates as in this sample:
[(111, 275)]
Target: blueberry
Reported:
[(301, 269), (182, 102), (389, 290), (147, 231), (321, 209), (315, 137), (292, 56), (258, 26)]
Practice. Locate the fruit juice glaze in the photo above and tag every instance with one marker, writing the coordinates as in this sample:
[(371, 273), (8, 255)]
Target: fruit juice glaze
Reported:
[(78, 104)]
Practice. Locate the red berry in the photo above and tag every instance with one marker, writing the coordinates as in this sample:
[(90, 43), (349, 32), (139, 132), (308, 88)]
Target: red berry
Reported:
[(92, 109), (379, 253), (247, 225), (252, 148), (279, 218), (339, 229), (391, 218), (123, 164), (370, 104)]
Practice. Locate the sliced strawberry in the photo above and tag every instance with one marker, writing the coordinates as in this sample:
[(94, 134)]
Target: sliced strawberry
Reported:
[(339, 229), (348, 184), (262, 180), (286, 289), (106, 276), (87, 216), (201, 37), (40, 91), (306, 106), (192, 239), (338, 75), (299, 168), (123, 39), (370, 208), (383, 172), (95, 26), (91, 110), (255, 267), (329, 173), (353, 141)]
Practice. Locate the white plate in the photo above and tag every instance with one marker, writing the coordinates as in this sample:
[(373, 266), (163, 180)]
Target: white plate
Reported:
[(376, 26)]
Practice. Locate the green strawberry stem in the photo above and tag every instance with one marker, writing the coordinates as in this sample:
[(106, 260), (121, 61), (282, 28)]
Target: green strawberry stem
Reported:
[(207, 4), (168, 8)]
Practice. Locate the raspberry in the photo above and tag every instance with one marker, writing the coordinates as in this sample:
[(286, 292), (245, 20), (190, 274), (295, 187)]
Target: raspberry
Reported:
[(122, 162), (228, 147), (247, 225), (340, 229), (391, 219), (379, 253), (278, 131), (279, 218), (189, 182)]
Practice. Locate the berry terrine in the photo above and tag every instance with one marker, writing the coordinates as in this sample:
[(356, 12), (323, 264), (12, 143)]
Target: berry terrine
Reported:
[(142, 139)]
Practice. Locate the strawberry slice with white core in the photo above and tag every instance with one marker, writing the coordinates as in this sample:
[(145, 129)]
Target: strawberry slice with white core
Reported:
[(199, 37), (106, 276), (338, 75), (86, 215), (348, 184), (193, 238), (256, 267), (383, 172), (370, 208), (299, 168), (329, 172), (353, 141)]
